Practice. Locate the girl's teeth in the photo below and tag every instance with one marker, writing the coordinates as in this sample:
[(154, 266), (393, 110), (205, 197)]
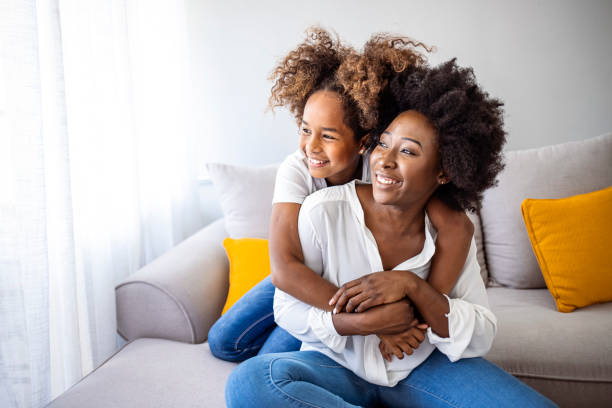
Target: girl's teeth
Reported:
[(313, 161)]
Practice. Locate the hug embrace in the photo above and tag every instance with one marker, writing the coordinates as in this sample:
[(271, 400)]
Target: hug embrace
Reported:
[(375, 296)]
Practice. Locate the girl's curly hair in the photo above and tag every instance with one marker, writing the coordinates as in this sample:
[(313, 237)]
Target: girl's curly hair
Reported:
[(323, 62), (468, 122), (364, 76)]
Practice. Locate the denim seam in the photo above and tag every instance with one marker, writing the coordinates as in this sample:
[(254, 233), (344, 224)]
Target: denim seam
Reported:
[(433, 395), (250, 327), (286, 395)]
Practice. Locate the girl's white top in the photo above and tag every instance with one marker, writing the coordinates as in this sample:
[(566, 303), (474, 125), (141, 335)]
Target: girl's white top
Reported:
[(337, 244), (294, 182)]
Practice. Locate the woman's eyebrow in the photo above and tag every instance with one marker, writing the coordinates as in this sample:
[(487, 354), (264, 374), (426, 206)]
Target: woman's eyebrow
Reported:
[(412, 140), (386, 132)]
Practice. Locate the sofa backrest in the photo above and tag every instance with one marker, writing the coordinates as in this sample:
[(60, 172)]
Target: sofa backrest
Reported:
[(246, 200), (549, 172)]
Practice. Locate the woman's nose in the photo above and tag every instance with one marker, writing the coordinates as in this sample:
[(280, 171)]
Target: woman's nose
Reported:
[(386, 159)]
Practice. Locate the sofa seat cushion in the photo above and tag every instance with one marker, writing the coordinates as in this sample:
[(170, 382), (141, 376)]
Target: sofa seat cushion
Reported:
[(153, 373), (534, 340)]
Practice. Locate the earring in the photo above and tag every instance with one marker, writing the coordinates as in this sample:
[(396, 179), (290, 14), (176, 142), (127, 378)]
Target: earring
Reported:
[(362, 150)]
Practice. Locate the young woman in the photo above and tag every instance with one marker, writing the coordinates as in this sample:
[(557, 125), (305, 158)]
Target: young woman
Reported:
[(333, 93), (445, 140)]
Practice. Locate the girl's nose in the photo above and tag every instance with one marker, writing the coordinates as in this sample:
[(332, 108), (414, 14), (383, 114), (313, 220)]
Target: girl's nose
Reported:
[(313, 144)]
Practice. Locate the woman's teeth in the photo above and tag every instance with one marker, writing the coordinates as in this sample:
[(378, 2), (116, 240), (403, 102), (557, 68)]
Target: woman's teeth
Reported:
[(385, 180)]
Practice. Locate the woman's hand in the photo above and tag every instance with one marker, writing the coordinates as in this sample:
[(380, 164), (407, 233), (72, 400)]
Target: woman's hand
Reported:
[(393, 318), (371, 290), (402, 343)]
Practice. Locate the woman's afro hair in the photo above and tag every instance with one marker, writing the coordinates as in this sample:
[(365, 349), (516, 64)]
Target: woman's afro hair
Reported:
[(323, 62), (468, 122)]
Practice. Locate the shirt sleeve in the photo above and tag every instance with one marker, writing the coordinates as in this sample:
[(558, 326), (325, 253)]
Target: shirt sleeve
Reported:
[(471, 324), (307, 323), (293, 181)]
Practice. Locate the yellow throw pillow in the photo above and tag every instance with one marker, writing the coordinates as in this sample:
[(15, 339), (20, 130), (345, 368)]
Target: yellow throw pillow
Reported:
[(571, 240), (249, 264)]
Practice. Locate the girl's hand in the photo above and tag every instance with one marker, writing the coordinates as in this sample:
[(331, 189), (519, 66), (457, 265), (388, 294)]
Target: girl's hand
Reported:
[(402, 343), (370, 290)]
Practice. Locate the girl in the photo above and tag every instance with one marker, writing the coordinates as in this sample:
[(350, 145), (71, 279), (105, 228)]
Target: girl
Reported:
[(440, 118), (333, 92)]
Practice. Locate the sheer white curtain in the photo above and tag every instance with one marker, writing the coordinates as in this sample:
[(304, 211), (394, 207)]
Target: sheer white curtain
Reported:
[(97, 176)]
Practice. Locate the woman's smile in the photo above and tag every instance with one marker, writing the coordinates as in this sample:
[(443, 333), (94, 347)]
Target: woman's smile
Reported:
[(386, 181)]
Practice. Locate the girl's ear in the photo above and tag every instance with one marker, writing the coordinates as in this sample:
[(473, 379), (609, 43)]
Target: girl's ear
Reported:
[(363, 143)]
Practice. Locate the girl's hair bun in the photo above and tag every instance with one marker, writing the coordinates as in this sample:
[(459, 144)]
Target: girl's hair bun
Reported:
[(365, 76)]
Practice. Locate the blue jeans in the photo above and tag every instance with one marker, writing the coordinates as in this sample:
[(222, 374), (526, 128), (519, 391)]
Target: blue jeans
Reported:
[(311, 379), (248, 328)]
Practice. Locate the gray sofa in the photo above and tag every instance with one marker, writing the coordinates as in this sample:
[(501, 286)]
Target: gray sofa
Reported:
[(164, 311)]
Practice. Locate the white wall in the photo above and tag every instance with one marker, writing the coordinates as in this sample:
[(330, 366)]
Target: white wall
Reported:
[(550, 61)]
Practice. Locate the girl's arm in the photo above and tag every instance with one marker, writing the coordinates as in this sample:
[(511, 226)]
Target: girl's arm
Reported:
[(461, 325), (289, 273), (455, 231)]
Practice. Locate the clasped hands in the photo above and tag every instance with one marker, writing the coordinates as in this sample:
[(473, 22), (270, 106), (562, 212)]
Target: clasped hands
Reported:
[(385, 296)]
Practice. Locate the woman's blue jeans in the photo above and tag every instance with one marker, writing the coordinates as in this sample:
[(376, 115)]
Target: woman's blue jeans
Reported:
[(310, 379), (248, 328)]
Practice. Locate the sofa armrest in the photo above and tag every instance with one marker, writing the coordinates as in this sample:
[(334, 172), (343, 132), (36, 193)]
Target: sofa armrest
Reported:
[(179, 295)]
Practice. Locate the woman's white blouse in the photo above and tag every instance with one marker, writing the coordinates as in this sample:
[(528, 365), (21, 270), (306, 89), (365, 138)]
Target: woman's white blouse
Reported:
[(337, 244)]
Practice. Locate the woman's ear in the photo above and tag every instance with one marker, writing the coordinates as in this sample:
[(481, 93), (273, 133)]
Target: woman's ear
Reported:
[(443, 178)]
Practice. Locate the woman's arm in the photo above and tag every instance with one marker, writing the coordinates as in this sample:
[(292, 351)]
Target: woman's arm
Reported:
[(392, 318), (310, 324), (289, 273)]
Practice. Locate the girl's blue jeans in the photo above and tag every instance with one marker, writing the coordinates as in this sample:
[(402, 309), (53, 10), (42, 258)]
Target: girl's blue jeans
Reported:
[(310, 379), (248, 328)]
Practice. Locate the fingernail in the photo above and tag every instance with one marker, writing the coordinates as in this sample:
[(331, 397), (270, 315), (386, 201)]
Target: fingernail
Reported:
[(331, 301), (335, 311)]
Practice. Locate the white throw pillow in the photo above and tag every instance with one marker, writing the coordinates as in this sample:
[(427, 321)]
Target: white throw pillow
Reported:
[(246, 197), (548, 172)]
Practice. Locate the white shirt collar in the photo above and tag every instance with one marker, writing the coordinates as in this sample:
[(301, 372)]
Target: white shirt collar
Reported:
[(420, 259)]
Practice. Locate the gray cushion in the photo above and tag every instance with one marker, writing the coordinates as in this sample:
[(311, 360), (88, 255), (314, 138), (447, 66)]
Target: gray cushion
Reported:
[(480, 254), (536, 341), (153, 373), (548, 172)]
